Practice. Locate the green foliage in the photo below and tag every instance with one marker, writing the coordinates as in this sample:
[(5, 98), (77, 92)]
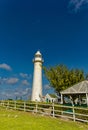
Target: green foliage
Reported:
[(60, 77)]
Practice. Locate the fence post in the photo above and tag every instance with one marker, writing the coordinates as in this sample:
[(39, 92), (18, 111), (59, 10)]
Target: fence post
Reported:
[(8, 105), (15, 105), (36, 109), (53, 110), (3, 103), (73, 113), (24, 106)]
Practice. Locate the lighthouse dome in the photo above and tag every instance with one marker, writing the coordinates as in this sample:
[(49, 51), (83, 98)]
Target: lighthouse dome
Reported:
[(38, 57), (37, 53)]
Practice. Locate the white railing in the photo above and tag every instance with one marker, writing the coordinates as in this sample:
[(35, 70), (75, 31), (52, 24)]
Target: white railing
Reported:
[(54, 110)]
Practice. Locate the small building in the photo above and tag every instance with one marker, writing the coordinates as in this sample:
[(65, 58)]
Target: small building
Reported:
[(50, 98), (79, 91)]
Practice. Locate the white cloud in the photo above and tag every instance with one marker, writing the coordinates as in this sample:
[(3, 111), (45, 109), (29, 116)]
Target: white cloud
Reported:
[(47, 87), (7, 93), (15, 93), (26, 91), (5, 67), (25, 82), (3, 80), (77, 4), (12, 81), (22, 92), (24, 75)]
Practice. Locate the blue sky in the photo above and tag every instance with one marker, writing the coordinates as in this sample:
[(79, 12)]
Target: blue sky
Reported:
[(59, 29)]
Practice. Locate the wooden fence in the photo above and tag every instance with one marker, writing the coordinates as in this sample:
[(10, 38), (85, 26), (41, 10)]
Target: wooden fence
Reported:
[(54, 110)]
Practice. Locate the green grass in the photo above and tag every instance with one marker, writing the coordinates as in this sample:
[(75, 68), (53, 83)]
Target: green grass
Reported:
[(18, 120)]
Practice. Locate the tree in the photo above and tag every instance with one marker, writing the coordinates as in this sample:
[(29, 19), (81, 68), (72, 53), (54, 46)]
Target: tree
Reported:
[(60, 77)]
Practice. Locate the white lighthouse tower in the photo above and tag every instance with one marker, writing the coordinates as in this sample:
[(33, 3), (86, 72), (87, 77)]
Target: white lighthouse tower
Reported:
[(37, 78)]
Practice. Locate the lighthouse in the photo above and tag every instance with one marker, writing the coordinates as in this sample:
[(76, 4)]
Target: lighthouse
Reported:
[(37, 77)]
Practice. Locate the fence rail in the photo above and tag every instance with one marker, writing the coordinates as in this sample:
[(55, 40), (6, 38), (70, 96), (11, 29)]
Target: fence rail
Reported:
[(54, 110)]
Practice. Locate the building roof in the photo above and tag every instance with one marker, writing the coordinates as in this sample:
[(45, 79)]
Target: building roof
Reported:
[(79, 88), (52, 95)]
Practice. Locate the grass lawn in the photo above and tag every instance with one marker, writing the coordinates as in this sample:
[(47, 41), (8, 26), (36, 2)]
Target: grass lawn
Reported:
[(17, 120)]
